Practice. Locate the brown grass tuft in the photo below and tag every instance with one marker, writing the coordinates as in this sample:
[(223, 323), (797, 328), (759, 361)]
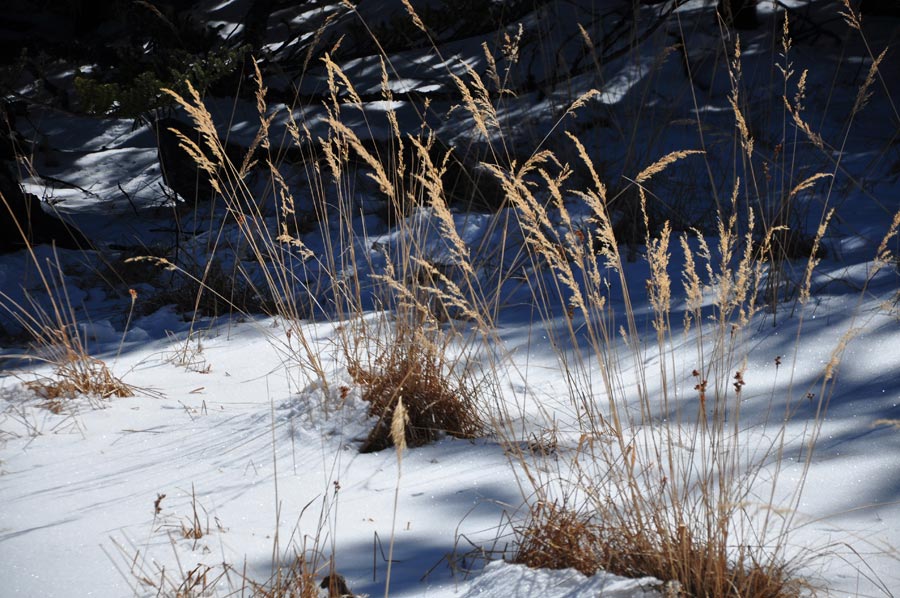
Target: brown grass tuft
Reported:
[(556, 537), (701, 569), (296, 579), (193, 528), (436, 400), (77, 375), (59, 341)]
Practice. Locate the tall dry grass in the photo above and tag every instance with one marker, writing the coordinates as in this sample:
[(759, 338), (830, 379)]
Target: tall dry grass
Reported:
[(57, 338), (678, 486), (665, 479), (406, 328), (431, 316)]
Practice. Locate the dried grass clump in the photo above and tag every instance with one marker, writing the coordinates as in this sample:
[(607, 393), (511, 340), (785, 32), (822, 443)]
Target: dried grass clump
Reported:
[(556, 537), (77, 374), (436, 399), (559, 537), (296, 579), (672, 502), (196, 582), (57, 340), (703, 569), (193, 528)]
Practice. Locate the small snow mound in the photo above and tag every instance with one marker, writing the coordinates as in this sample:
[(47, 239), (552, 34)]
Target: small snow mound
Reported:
[(337, 410), (504, 580), (101, 331)]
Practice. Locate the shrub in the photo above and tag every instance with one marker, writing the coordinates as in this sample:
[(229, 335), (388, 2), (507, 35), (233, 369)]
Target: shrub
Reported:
[(556, 537), (57, 339), (437, 399)]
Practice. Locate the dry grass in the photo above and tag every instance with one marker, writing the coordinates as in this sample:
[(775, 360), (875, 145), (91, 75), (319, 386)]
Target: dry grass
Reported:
[(437, 399), (77, 375), (195, 583), (275, 251), (682, 533), (417, 340), (296, 579), (672, 483), (555, 537), (295, 573), (654, 509), (193, 528), (143, 575), (706, 570), (58, 341)]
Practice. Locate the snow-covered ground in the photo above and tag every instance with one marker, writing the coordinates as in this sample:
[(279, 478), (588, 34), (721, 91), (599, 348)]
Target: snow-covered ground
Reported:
[(227, 430)]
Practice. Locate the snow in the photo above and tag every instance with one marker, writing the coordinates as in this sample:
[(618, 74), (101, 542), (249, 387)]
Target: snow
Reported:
[(502, 579), (228, 421)]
